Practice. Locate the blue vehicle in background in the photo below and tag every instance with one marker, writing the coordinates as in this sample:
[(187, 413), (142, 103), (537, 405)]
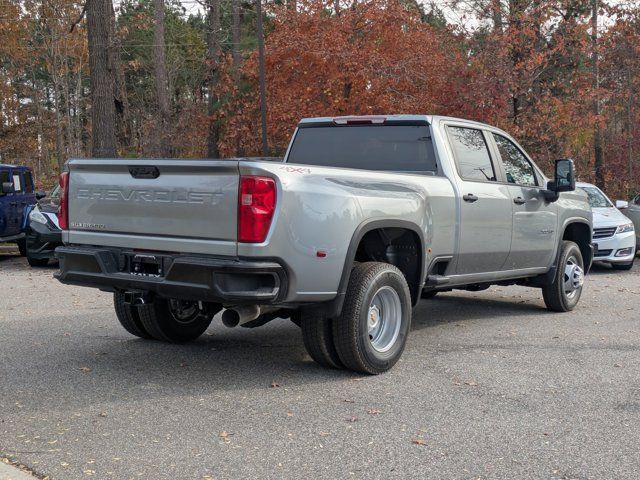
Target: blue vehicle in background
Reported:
[(17, 196)]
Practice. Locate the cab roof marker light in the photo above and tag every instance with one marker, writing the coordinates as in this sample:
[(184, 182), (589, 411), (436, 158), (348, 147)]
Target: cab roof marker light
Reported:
[(371, 120)]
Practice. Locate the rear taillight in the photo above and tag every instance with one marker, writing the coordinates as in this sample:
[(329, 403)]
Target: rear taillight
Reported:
[(256, 204), (63, 206)]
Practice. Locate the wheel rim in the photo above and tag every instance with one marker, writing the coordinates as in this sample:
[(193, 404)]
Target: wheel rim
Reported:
[(384, 319), (184, 311), (573, 277)]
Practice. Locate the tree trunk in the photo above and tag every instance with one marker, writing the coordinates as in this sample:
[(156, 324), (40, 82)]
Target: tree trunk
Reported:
[(496, 16), (236, 37), (213, 54), (162, 138), (121, 100), (597, 133), (102, 108)]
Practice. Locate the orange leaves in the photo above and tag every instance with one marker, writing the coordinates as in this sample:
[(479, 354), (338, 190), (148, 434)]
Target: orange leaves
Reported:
[(377, 57)]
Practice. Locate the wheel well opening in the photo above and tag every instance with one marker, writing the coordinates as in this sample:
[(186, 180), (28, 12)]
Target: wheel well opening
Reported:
[(580, 233), (400, 247)]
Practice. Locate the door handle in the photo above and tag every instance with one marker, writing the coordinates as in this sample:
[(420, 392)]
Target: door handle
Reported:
[(13, 204), (469, 197), (519, 201)]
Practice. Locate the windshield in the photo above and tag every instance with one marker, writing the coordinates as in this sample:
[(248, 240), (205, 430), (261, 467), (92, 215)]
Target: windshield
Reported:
[(596, 198), (396, 148)]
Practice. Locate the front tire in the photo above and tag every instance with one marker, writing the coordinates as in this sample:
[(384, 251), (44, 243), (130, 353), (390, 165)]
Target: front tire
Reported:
[(34, 262), (22, 247), (174, 321), (371, 332), (563, 294), (37, 262)]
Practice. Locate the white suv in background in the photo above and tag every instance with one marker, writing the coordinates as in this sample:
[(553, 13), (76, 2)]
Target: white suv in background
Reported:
[(614, 236)]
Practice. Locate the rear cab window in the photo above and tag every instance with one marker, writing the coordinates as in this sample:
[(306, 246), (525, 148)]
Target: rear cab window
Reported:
[(388, 147)]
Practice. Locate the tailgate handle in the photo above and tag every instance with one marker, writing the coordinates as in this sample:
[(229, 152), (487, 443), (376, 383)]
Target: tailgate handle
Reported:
[(144, 172)]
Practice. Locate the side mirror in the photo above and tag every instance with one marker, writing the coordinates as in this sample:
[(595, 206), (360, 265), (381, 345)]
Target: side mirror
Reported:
[(621, 204), (40, 195), (7, 187), (565, 176)]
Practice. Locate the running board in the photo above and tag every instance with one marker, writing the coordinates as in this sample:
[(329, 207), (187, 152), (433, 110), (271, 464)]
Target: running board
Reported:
[(436, 280)]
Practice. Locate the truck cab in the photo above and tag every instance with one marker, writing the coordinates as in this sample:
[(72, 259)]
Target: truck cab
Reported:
[(17, 194)]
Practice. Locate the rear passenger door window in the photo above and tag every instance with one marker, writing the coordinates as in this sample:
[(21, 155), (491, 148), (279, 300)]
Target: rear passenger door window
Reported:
[(471, 154), (517, 167)]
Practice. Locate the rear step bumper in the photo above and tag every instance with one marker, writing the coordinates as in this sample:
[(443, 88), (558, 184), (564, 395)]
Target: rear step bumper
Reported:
[(229, 281)]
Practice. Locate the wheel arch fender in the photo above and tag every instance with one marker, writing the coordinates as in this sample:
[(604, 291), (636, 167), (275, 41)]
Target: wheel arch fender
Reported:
[(578, 230), (361, 230)]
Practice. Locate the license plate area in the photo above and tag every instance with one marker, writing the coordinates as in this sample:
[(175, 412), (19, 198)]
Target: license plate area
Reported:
[(145, 265)]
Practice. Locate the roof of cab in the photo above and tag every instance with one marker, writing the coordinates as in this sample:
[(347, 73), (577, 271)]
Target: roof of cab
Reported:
[(430, 119), (19, 167)]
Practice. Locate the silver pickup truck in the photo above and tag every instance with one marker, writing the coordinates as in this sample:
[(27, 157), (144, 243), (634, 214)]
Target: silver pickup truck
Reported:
[(363, 218)]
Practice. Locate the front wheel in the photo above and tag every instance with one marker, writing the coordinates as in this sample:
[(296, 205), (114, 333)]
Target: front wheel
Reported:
[(563, 294), (174, 321), (22, 247), (35, 262), (371, 332)]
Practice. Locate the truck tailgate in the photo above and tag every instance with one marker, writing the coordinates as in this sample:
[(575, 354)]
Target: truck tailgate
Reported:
[(171, 205)]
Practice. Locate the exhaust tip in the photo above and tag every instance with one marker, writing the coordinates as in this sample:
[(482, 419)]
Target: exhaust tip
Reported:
[(230, 318)]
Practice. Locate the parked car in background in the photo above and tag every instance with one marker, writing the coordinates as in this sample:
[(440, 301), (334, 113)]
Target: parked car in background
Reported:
[(17, 194), (614, 237), (43, 232), (632, 210)]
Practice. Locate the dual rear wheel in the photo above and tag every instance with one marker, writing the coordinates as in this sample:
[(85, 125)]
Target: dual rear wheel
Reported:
[(370, 334), (173, 321)]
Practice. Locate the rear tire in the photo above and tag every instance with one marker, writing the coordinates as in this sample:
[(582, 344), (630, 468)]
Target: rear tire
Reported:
[(563, 294), (174, 321), (128, 317), (371, 332), (623, 266), (317, 334)]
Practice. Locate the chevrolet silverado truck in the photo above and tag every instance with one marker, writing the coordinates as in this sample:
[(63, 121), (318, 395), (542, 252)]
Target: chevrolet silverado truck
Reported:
[(363, 218)]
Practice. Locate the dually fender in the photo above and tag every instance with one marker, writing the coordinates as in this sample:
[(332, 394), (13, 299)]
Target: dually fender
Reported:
[(335, 307)]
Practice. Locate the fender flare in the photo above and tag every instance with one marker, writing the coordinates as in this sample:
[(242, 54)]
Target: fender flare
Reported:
[(360, 231), (547, 278)]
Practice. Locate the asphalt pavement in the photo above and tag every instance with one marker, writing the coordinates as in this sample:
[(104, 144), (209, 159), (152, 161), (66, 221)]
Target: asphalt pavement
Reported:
[(490, 386)]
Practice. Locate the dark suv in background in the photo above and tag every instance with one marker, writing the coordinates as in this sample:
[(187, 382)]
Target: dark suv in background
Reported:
[(17, 194)]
